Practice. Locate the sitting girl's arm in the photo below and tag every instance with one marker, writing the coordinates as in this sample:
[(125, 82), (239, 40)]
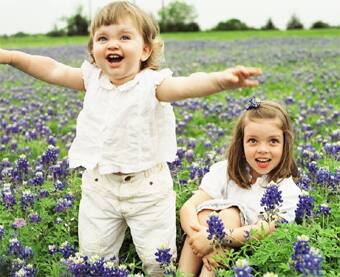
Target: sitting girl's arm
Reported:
[(203, 84), (188, 214), (44, 68)]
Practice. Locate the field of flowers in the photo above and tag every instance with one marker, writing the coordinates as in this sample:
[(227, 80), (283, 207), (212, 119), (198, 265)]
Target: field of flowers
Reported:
[(40, 195)]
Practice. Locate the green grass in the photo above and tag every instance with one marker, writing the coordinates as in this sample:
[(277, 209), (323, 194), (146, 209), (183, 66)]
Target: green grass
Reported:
[(41, 40)]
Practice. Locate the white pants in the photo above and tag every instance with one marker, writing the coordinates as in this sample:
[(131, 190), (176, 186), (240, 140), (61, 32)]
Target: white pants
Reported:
[(143, 201)]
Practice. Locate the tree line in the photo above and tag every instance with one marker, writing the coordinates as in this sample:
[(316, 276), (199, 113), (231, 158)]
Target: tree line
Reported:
[(177, 16)]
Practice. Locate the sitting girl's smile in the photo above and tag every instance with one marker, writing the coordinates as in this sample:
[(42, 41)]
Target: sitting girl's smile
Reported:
[(263, 145)]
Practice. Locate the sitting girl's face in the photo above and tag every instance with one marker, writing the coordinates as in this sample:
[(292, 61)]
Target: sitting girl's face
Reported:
[(263, 144)]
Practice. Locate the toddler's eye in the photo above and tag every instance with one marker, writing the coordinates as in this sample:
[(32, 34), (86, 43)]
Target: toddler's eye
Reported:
[(274, 141), (125, 37), (102, 39)]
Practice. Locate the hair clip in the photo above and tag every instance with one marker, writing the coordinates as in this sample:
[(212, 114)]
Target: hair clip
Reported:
[(254, 103)]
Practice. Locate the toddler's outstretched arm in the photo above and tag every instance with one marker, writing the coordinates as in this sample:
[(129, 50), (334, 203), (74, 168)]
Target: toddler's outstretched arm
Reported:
[(203, 84), (44, 68)]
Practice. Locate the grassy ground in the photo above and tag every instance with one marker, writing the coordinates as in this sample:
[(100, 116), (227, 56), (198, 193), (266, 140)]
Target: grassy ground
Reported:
[(41, 40)]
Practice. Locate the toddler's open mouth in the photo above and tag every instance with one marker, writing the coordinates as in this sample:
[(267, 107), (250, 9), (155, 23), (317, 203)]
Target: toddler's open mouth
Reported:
[(114, 58)]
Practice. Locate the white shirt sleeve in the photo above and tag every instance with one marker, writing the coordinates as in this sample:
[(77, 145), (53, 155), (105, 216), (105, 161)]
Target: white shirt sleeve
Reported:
[(87, 70), (290, 197), (213, 182)]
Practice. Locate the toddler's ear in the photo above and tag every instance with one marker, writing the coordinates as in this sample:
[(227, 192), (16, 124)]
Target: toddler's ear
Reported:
[(146, 52)]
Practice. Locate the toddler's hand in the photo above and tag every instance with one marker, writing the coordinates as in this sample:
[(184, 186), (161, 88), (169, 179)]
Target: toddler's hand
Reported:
[(199, 242), (238, 77)]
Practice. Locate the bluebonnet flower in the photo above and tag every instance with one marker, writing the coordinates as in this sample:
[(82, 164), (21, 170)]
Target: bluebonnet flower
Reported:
[(22, 165), (304, 182), (59, 185), (43, 193), (49, 157), (323, 209), (64, 203), (322, 176), (26, 253), (96, 264), (2, 231), (27, 199), (189, 155), (52, 249), (38, 179), (8, 196), (312, 167), (14, 247), (26, 271), (78, 265), (34, 217), (312, 263), (272, 198), (215, 230), (51, 140), (13, 146), (66, 249), (163, 256), (242, 269), (165, 260), (111, 269), (305, 259), (304, 207)]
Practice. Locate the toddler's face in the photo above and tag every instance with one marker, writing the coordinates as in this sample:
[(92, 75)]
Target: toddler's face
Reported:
[(263, 145), (119, 49)]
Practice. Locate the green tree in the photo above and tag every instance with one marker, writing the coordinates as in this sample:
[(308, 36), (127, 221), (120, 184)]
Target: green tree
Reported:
[(320, 25), (294, 23), (233, 24), (178, 16), (77, 24), (269, 25)]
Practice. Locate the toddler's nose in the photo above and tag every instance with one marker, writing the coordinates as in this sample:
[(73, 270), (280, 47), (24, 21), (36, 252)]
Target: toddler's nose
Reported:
[(113, 44)]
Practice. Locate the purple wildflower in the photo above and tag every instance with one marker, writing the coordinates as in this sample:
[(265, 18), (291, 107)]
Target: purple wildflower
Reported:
[(34, 217), (242, 269), (272, 198), (306, 260), (26, 271), (66, 249), (26, 200), (2, 231), (304, 207), (8, 196), (163, 256), (215, 229), (323, 209)]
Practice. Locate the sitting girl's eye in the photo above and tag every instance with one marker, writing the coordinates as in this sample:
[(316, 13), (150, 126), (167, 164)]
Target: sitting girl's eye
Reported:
[(274, 141), (125, 37), (251, 141)]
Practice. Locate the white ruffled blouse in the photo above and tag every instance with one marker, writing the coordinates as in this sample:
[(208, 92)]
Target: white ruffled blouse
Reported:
[(123, 128)]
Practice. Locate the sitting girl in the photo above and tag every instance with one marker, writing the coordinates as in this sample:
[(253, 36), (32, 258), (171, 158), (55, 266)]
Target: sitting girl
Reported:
[(261, 151)]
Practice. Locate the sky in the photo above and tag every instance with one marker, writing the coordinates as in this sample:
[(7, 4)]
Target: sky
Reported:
[(40, 16)]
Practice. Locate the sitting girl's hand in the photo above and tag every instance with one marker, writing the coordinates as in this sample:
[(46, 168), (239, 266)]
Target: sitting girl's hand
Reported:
[(238, 77), (199, 242)]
